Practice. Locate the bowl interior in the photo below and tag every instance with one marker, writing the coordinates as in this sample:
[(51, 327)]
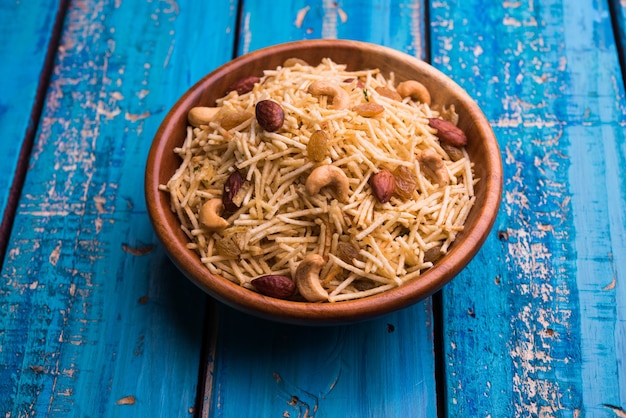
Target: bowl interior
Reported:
[(482, 148)]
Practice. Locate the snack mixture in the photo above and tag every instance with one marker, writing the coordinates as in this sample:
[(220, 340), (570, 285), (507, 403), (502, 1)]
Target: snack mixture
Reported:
[(320, 184)]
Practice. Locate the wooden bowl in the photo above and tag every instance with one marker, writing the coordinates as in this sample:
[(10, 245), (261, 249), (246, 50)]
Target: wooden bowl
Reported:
[(482, 148)]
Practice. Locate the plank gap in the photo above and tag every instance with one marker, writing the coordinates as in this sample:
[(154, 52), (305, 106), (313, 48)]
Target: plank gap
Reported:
[(437, 298), (427, 33), (238, 21), (15, 190), (204, 388), (619, 34), (440, 366)]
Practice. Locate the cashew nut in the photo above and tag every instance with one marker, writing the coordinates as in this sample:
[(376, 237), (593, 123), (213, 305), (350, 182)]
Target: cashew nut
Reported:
[(308, 280), (209, 215), (201, 115), (331, 176), (415, 90), (339, 96), (433, 167), (291, 62)]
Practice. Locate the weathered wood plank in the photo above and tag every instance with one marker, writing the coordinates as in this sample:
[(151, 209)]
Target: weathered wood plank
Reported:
[(396, 23), (535, 325), (26, 31), (96, 321), (381, 368), (384, 367)]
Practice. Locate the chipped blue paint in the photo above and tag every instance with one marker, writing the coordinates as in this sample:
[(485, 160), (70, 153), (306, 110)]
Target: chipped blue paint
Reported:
[(25, 37), (597, 171), (396, 23), (534, 325), (380, 368), (96, 320)]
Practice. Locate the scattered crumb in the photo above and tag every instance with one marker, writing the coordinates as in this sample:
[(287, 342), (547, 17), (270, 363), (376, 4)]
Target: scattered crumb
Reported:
[(126, 400), (611, 285), (36, 369), (141, 250), (300, 16)]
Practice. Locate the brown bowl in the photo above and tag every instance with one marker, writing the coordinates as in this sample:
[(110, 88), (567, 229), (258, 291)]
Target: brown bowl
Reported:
[(482, 148)]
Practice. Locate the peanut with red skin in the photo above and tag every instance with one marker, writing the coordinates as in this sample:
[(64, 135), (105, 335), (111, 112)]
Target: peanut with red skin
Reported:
[(270, 115), (273, 285), (232, 188), (383, 185), (243, 86), (448, 132)]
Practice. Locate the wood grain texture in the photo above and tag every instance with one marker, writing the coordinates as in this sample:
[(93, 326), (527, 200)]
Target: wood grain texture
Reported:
[(534, 326), (96, 320), (27, 48), (383, 367), (380, 368), (398, 23)]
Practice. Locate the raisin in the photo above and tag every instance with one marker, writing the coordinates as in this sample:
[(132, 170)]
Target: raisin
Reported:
[(433, 254), (406, 182), (318, 146), (453, 152), (347, 252)]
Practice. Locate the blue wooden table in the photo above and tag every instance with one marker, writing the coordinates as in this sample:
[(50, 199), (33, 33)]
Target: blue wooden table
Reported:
[(96, 321)]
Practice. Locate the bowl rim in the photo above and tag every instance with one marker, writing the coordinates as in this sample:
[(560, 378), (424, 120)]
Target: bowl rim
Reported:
[(308, 313)]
